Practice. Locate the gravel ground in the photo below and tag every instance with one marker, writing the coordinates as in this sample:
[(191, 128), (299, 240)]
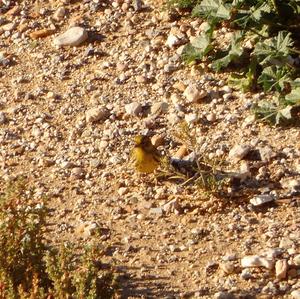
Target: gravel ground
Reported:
[(71, 101)]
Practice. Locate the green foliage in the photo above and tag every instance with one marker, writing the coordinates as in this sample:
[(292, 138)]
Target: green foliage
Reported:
[(30, 268), (272, 30), (182, 4), (234, 53), (279, 111)]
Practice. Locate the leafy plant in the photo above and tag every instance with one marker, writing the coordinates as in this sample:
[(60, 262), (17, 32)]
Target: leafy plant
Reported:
[(31, 268), (264, 47)]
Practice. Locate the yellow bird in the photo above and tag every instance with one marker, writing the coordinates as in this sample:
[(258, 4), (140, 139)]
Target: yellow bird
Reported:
[(145, 155)]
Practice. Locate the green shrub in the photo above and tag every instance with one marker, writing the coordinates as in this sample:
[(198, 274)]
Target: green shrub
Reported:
[(30, 268), (270, 62)]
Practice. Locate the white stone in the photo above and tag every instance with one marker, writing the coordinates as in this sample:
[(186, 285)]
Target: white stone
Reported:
[(59, 14), (261, 199), (174, 40), (281, 268), (238, 152), (266, 153), (246, 274), (9, 26), (171, 206), (160, 107), (194, 94), (96, 114), (296, 294), (191, 118), (286, 243), (72, 37), (252, 261), (296, 260), (133, 108)]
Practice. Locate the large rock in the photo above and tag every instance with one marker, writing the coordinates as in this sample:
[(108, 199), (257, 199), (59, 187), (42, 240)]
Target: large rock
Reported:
[(72, 37)]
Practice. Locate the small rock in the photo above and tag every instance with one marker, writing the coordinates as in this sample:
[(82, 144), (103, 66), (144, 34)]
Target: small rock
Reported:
[(252, 261), (286, 243), (156, 211), (141, 79), (223, 295), (72, 37), (122, 191), (238, 152), (59, 14), (297, 260), (266, 153), (175, 40), (191, 118), (281, 267), (157, 140), (9, 26), (3, 118), (291, 184), (194, 94), (295, 294), (137, 5), (77, 172), (96, 114), (228, 267), (158, 108), (211, 117), (246, 274), (171, 206), (261, 199), (133, 108)]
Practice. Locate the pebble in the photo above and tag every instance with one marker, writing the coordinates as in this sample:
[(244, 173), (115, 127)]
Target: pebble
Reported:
[(293, 185), (223, 295), (72, 37), (256, 261), (297, 260), (175, 40), (261, 199), (3, 118), (286, 243), (9, 26), (266, 153), (238, 152), (191, 118), (77, 172), (96, 114), (133, 108), (281, 267), (171, 206), (228, 267), (246, 274), (160, 107), (156, 211), (194, 94), (59, 14), (295, 294)]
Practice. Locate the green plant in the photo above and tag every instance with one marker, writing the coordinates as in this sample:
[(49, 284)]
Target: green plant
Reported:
[(270, 29), (31, 268)]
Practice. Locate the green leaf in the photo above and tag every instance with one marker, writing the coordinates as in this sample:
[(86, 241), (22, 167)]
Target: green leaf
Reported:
[(234, 53), (212, 9), (274, 77), (293, 97), (275, 50), (244, 82)]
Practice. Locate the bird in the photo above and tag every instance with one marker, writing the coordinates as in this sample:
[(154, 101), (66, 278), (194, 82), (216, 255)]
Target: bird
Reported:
[(145, 155)]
